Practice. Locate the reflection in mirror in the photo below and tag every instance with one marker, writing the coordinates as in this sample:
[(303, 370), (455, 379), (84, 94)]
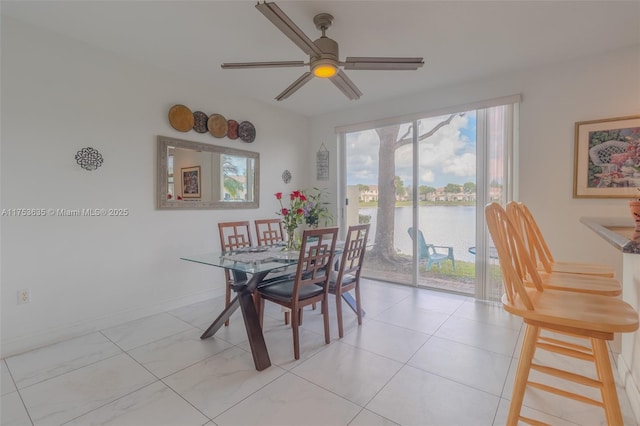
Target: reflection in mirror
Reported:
[(197, 175)]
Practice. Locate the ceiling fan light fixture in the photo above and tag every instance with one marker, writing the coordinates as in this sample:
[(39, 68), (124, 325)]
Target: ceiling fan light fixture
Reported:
[(324, 70)]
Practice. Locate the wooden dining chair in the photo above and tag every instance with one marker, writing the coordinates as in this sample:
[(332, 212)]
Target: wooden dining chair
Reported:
[(581, 283), (269, 231), (310, 284), (592, 317), (233, 236), (348, 275), (539, 249)]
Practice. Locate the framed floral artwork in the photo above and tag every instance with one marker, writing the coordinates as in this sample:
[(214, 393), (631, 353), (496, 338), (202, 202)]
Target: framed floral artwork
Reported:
[(607, 158), (191, 182)]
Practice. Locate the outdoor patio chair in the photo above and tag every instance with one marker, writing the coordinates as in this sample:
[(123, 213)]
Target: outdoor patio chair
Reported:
[(430, 254)]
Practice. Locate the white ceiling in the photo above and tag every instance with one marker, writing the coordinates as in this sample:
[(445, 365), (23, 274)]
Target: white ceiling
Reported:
[(459, 41)]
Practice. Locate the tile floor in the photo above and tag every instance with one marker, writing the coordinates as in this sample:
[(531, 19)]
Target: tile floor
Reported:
[(420, 358)]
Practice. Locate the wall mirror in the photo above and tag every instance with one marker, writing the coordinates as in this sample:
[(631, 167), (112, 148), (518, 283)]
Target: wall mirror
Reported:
[(193, 175)]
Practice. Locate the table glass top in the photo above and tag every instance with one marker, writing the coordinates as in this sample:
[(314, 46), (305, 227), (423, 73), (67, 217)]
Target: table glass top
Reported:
[(250, 261)]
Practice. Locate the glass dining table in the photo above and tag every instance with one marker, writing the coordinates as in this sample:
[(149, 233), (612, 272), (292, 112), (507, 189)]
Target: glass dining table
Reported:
[(250, 268)]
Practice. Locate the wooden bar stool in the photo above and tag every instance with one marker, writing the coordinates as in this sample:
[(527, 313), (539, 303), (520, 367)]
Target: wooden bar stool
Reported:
[(592, 317), (577, 282), (540, 252)]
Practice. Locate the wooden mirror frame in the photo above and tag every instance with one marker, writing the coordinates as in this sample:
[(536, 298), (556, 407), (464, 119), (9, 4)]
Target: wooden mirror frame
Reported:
[(162, 183)]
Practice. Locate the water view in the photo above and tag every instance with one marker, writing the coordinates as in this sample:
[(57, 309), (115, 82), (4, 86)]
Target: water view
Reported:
[(441, 225)]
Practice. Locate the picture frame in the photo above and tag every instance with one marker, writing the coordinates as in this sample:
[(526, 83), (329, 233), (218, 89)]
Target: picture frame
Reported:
[(607, 158), (322, 163), (191, 182)]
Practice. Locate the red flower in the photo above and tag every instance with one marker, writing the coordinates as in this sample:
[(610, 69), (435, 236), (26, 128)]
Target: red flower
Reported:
[(299, 212), (179, 197), (302, 197), (279, 195), (284, 211)]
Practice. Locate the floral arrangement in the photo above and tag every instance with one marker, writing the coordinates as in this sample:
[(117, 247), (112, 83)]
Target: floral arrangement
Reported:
[(303, 208), (316, 209), (293, 216)]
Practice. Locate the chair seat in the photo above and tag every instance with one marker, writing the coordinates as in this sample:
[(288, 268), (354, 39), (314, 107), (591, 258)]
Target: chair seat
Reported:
[(580, 283), (580, 312), (277, 276), (346, 280), (578, 268), (437, 257), (284, 289)]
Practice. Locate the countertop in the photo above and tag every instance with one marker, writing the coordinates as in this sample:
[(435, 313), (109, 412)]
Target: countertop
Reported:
[(620, 232)]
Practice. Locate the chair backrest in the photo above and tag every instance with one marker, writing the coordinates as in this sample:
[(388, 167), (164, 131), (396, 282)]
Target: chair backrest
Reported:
[(353, 253), (316, 255), (539, 251), (269, 231), (234, 235), (512, 254), (423, 247)]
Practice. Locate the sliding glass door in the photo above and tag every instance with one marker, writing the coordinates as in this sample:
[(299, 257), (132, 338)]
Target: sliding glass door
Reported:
[(377, 172), (422, 183)]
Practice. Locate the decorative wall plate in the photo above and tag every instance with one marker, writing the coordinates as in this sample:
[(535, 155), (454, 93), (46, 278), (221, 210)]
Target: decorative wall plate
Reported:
[(217, 125), (247, 132), (181, 118), (286, 176), (200, 122), (232, 132), (89, 158)]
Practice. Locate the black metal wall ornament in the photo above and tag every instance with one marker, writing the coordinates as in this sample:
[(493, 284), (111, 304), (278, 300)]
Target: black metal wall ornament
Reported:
[(286, 176), (89, 158)]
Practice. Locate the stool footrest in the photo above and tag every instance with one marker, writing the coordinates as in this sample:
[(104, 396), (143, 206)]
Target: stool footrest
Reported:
[(566, 394)]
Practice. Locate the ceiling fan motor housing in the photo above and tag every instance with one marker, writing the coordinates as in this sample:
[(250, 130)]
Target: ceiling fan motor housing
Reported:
[(327, 46), (329, 56)]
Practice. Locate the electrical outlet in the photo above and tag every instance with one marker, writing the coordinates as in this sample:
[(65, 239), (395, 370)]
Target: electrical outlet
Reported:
[(24, 296)]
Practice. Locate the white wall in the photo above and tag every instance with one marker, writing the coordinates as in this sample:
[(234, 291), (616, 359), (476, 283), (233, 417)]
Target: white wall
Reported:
[(85, 273), (554, 98)]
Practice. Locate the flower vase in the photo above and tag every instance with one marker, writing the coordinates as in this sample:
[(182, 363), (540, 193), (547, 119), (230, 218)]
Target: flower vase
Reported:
[(293, 242)]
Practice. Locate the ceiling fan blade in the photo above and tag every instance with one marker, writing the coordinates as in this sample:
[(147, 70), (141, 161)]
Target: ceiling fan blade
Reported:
[(288, 27), (272, 64), (345, 85), (381, 63), (304, 78)]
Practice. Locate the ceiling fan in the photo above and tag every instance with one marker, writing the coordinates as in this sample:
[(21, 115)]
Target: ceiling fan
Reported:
[(324, 61)]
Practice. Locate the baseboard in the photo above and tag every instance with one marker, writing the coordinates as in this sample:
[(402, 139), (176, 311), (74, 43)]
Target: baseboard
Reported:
[(630, 387), (54, 335)]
